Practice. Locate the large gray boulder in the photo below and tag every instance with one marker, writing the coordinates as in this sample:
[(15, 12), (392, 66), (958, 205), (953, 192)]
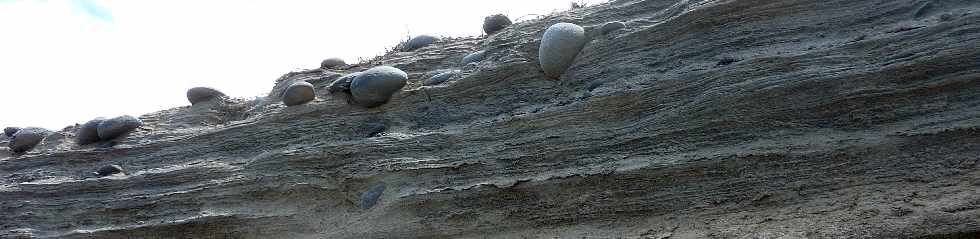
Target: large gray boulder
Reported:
[(298, 93), (375, 86), (419, 42), (342, 84), (10, 131), (89, 132), (559, 46), (474, 57), (25, 139), (200, 94), (495, 23), (118, 126), (332, 62)]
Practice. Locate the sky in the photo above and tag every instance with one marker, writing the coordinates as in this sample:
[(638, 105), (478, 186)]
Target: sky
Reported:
[(68, 61)]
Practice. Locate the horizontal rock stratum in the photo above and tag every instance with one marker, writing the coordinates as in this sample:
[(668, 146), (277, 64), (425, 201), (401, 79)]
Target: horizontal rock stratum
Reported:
[(701, 119)]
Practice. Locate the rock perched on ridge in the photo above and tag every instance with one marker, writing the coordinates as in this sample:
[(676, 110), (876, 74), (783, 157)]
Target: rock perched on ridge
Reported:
[(375, 86), (495, 23), (200, 94), (118, 126), (298, 93), (559, 46), (25, 139), (419, 42), (10, 131), (89, 132), (441, 77), (332, 62), (108, 170), (342, 84), (474, 57), (611, 26)]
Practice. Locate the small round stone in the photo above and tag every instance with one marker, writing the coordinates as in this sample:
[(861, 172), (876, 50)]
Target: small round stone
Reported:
[(342, 84), (376, 85), (298, 93), (25, 139), (495, 23), (118, 126), (332, 62), (200, 94), (440, 78), (560, 45), (419, 42), (89, 132), (109, 170), (611, 26), (10, 131), (474, 57)]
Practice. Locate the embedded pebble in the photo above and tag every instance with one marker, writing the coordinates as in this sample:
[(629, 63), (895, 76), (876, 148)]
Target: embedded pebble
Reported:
[(342, 84), (474, 57), (108, 170), (419, 42), (611, 26), (200, 94), (495, 23), (25, 139), (332, 62), (441, 78), (371, 196), (89, 132), (10, 131), (118, 126)]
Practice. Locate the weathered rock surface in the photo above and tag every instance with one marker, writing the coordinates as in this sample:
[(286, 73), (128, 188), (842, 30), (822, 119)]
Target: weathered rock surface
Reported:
[(841, 119)]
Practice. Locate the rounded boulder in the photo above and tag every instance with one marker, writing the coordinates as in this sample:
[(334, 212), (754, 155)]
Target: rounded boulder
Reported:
[(200, 94), (419, 42), (298, 93), (89, 132), (560, 45), (375, 86), (25, 139), (118, 126), (332, 62), (495, 23), (10, 131)]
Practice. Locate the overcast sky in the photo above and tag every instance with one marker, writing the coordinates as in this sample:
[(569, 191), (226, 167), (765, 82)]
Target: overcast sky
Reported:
[(67, 61)]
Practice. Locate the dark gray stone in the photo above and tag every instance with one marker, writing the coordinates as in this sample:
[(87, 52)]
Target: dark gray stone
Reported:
[(108, 170), (375, 86), (118, 126), (611, 26), (419, 42), (89, 132), (10, 131), (342, 84), (200, 94), (25, 139), (298, 93), (441, 78), (559, 46), (474, 57), (332, 62), (371, 196), (495, 23)]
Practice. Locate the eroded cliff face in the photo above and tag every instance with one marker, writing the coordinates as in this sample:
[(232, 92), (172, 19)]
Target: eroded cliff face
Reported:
[(701, 119)]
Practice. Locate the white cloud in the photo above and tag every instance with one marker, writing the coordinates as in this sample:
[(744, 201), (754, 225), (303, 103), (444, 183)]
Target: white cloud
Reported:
[(64, 62)]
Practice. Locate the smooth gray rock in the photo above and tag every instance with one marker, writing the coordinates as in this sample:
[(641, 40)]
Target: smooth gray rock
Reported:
[(10, 131), (375, 86), (474, 57), (332, 62), (25, 139), (118, 126), (108, 170), (419, 42), (441, 78), (559, 46), (298, 93), (371, 196), (342, 84), (89, 132), (611, 26), (200, 94), (495, 23)]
